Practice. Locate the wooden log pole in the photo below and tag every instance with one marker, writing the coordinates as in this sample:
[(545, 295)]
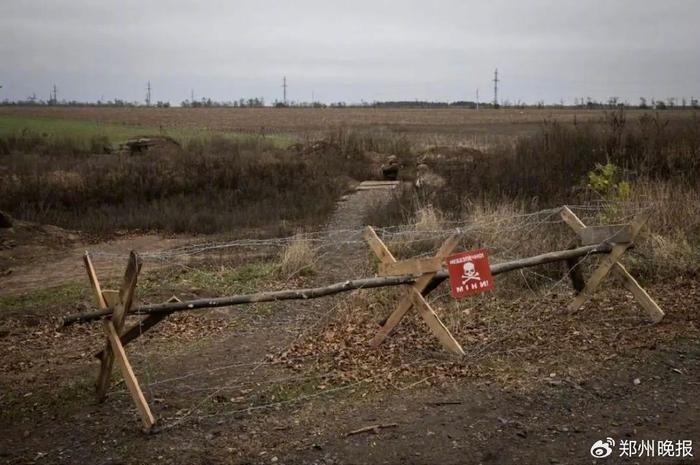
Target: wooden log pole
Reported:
[(107, 356), (344, 286), (94, 282), (140, 328)]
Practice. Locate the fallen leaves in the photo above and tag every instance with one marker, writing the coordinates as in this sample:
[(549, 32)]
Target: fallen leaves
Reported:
[(515, 342)]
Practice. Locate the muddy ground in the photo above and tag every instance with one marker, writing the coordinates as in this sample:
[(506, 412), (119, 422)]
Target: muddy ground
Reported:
[(292, 383)]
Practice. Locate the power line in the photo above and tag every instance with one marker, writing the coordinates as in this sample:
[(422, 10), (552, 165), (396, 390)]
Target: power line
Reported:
[(495, 88), (284, 87)]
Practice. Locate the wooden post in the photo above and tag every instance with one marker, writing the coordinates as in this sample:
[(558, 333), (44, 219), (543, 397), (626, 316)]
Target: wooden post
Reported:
[(94, 282), (128, 374), (107, 357), (414, 295), (610, 263), (126, 291), (120, 303)]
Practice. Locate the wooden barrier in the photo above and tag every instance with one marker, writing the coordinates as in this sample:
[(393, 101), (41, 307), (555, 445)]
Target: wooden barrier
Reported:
[(421, 276), (414, 296), (336, 288), (120, 303), (622, 238)]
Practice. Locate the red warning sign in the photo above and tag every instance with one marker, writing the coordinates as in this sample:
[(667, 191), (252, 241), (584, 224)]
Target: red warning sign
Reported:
[(470, 273)]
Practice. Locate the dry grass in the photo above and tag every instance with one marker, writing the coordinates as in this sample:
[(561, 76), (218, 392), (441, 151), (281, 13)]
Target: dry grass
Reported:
[(421, 235), (297, 258), (428, 218), (211, 185), (670, 244), (550, 167)]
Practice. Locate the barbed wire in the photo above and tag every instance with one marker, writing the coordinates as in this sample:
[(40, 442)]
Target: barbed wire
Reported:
[(407, 233), (323, 241)]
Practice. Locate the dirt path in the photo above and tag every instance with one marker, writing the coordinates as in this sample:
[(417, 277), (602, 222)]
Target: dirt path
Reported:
[(346, 255), (243, 353), (46, 268)]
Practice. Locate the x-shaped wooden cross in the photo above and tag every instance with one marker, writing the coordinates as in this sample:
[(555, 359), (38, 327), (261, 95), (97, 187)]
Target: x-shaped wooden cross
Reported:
[(610, 261), (120, 302), (414, 296)]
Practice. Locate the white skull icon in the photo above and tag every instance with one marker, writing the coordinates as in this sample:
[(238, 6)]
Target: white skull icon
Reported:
[(469, 273)]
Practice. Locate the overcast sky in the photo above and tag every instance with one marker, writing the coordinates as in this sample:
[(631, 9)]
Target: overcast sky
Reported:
[(350, 50)]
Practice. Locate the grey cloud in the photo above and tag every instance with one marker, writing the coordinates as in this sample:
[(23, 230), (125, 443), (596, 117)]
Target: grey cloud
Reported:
[(545, 49)]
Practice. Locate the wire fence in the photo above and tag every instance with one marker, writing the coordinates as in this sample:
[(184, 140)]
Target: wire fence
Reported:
[(255, 371), (325, 241)]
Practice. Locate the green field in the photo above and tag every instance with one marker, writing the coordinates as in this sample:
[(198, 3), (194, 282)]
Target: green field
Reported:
[(83, 131)]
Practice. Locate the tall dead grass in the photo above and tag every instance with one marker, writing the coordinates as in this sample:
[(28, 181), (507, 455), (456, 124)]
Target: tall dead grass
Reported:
[(297, 258), (550, 167), (670, 244), (212, 185), (491, 194), (421, 235)]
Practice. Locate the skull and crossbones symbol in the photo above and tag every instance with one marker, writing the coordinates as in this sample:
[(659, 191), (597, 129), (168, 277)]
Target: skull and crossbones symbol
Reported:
[(469, 273)]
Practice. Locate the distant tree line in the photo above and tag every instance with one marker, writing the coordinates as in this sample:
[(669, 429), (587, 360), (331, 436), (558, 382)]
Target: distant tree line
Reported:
[(258, 102), (32, 101), (587, 102), (254, 102)]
